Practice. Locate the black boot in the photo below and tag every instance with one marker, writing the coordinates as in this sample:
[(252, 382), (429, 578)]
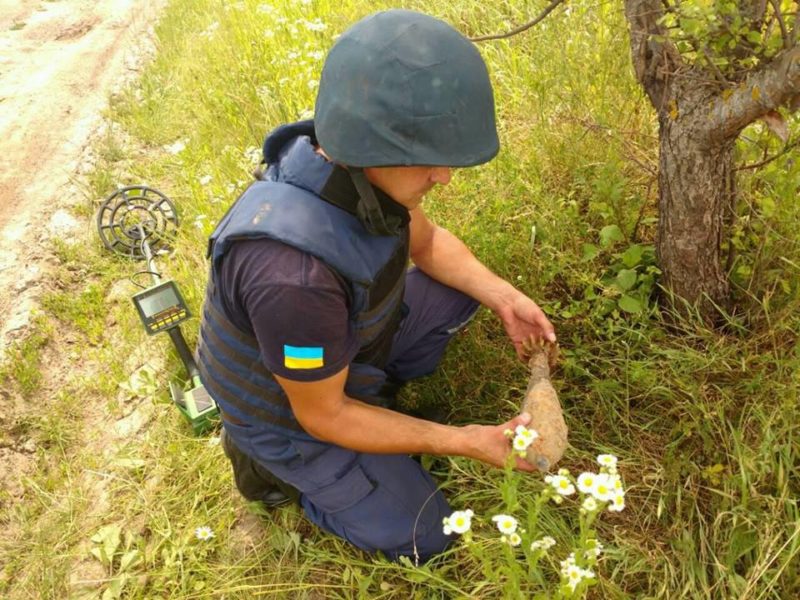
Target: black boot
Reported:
[(253, 481)]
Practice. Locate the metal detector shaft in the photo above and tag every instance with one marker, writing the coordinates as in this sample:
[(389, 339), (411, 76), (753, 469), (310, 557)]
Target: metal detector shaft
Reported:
[(148, 257), (175, 333), (183, 351)]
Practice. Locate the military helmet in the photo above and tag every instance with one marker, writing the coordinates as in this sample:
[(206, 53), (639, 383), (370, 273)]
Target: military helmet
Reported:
[(402, 88)]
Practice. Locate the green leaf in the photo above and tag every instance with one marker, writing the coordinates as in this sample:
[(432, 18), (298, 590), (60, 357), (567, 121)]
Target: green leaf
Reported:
[(109, 538), (590, 252), (633, 256), (98, 554), (609, 235), (626, 279), (128, 559), (629, 304), (754, 37)]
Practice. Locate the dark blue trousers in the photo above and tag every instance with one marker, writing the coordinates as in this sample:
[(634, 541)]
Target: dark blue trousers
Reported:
[(378, 502)]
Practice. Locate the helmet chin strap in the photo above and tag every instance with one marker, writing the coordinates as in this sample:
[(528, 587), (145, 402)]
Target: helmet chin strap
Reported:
[(369, 210)]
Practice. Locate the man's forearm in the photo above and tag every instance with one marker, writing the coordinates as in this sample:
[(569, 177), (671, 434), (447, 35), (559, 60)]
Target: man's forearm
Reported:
[(367, 428), (447, 259)]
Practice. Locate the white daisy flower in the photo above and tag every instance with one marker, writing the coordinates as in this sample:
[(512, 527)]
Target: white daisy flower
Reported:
[(617, 503), (545, 543), (589, 504), (210, 30), (603, 488), (520, 444), (586, 482), (616, 483), (505, 523), (607, 460), (204, 180), (562, 485), (315, 25), (177, 147), (567, 562), (252, 154), (459, 522), (573, 573), (203, 533), (593, 548), (563, 472), (512, 539), (524, 432)]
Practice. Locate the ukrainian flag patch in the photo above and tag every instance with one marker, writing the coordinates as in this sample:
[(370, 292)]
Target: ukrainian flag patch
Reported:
[(302, 357)]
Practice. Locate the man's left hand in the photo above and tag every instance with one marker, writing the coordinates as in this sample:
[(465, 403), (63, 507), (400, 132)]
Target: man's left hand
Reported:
[(525, 322)]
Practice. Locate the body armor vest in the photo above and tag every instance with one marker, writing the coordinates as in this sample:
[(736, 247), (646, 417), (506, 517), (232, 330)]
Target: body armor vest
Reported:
[(308, 203)]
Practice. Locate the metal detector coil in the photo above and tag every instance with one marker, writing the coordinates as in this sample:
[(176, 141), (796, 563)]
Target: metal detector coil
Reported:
[(138, 221)]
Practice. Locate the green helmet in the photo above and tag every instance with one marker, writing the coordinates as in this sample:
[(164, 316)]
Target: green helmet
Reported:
[(401, 88)]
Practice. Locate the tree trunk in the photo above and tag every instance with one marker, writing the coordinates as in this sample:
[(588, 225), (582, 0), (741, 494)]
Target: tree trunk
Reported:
[(699, 120), (696, 192)]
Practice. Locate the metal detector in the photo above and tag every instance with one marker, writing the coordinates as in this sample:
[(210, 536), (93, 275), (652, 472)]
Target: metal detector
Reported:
[(139, 222)]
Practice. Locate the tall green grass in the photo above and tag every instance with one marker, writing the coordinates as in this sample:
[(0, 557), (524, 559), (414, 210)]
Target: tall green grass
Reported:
[(705, 423)]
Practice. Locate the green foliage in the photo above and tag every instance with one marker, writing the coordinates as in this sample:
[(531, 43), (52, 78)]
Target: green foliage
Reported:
[(727, 37), (22, 362), (117, 554)]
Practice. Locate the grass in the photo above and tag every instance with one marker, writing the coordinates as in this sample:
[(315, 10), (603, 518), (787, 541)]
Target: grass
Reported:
[(705, 422), (21, 366)]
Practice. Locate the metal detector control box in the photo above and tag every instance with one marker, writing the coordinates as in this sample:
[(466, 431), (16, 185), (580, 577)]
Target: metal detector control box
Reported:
[(161, 307)]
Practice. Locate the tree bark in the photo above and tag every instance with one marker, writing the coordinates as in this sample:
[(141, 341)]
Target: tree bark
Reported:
[(696, 192)]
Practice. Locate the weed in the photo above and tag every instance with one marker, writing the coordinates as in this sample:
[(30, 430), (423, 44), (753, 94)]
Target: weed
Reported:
[(22, 364)]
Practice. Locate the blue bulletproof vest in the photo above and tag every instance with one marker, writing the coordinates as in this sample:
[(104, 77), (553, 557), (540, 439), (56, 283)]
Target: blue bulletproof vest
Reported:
[(308, 203)]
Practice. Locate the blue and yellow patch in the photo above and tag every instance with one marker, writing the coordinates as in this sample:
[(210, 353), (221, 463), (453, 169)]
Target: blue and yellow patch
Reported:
[(302, 357)]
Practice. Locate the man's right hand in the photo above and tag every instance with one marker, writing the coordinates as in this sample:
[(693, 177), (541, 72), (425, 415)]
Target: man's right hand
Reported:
[(489, 443)]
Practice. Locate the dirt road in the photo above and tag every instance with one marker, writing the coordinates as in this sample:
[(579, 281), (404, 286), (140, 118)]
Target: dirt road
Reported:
[(59, 61)]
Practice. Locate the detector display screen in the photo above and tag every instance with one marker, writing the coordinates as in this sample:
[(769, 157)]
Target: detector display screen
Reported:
[(156, 303), (161, 307)]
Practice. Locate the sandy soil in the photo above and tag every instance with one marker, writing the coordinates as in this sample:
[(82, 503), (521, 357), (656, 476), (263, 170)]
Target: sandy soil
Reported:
[(59, 62)]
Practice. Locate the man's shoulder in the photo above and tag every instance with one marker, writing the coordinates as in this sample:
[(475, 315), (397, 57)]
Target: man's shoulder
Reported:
[(266, 261)]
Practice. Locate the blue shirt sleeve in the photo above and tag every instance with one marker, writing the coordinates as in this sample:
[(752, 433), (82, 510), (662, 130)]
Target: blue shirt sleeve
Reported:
[(295, 305)]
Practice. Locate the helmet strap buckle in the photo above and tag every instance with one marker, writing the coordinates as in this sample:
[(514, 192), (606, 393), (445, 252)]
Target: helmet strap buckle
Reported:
[(369, 210)]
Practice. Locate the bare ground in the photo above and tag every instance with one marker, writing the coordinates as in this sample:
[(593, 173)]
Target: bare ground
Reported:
[(59, 63)]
